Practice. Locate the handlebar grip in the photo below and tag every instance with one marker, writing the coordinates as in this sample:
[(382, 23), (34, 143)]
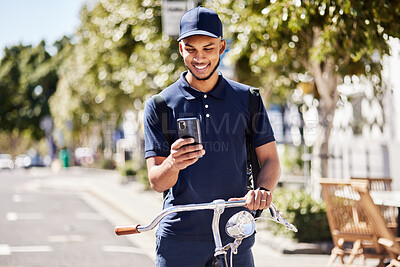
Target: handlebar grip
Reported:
[(127, 229)]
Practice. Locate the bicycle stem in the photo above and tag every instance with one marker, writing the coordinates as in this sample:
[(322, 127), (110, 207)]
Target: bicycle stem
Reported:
[(220, 252), (219, 209)]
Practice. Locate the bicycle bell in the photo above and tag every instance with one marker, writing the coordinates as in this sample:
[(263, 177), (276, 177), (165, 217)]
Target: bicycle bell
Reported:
[(240, 225)]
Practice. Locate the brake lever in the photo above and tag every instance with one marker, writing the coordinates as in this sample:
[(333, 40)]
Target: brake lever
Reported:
[(276, 216)]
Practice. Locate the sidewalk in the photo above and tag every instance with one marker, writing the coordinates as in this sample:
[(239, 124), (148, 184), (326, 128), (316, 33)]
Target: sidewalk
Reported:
[(135, 205)]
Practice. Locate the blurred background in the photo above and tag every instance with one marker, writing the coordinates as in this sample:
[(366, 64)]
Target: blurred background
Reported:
[(74, 77)]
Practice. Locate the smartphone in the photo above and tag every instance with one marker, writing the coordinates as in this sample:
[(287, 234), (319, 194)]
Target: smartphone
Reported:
[(189, 127)]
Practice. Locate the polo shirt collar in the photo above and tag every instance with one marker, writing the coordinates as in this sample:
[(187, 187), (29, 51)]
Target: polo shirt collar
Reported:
[(219, 91)]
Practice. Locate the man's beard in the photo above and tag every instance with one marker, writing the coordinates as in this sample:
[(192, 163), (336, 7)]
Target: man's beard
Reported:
[(207, 77)]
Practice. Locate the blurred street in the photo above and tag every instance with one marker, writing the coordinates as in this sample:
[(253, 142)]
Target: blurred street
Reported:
[(56, 228), (67, 219)]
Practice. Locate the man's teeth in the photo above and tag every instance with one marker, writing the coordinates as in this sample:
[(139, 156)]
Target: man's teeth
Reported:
[(201, 67)]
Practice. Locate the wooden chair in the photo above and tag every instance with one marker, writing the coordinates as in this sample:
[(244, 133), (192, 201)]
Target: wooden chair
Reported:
[(377, 184), (348, 225), (389, 213), (385, 236)]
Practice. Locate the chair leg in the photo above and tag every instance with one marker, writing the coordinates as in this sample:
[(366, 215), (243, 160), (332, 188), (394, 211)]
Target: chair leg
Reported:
[(362, 258), (394, 263), (333, 257), (355, 251), (335, 253), (381, 264)]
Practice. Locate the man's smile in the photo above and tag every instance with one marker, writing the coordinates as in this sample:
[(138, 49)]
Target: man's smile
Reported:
[(200, 67)]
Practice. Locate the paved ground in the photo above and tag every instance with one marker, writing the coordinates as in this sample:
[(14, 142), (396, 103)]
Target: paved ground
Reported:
[(130, 204), (56, 228)]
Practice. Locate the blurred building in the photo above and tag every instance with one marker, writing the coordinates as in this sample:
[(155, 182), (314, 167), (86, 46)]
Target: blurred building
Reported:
[(365, 139)]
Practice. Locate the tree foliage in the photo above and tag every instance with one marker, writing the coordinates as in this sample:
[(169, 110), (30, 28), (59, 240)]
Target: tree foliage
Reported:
[(282, 39), (119, 56), (281, 45), (27, 80)]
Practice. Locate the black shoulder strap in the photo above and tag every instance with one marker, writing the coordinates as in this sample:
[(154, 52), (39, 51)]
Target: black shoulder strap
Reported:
[(252, 160), (254, 100), (162, 112), (253, 165)]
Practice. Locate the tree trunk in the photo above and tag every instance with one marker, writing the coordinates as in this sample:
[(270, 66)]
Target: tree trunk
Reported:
[(109, 126), (326, 81)]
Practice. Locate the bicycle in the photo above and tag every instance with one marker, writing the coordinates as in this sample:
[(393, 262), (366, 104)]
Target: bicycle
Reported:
[(239, 226)]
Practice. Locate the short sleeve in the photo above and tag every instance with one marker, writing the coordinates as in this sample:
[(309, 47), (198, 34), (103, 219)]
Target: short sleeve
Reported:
[(264, 133), (155, 142)]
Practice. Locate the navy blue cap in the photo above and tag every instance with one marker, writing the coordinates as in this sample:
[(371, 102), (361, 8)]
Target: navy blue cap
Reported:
[(200, 21)]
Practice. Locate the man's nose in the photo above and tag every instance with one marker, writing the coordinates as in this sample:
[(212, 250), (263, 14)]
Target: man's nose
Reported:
[(199, 56)]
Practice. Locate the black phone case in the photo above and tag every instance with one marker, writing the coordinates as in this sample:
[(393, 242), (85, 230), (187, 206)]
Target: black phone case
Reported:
[(189, 127)]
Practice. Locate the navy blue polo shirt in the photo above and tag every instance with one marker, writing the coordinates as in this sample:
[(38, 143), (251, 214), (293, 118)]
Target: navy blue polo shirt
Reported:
[(221, 172)]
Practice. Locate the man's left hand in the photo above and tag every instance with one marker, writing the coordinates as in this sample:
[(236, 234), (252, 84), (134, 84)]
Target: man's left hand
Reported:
[(256, 199)]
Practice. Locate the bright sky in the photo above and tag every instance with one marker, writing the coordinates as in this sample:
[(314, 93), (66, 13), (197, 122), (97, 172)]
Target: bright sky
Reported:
[(30, 21)]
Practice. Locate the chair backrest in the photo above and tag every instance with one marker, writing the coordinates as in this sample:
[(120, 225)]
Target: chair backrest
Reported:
[(376, 219), (377, 184), (382, 184), (342, 207)]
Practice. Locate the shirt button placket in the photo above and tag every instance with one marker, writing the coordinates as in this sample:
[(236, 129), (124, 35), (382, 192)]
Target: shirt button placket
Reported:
[(206, 107)]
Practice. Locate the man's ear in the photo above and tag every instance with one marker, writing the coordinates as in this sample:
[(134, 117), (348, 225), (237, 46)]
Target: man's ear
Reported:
[(222, 47), (180, 48)]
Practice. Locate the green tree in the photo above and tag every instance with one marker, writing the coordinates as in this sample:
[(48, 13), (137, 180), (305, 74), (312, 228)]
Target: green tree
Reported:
[(119, 57), (279, 44), (27, 81)]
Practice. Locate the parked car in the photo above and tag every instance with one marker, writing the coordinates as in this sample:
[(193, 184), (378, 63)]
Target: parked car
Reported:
[(27, 161), (6, 161), (21, 161), (35, 160)]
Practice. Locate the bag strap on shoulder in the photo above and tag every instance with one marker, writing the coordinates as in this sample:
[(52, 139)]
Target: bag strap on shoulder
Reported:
[(162, 112), (252, 160), (254, 100), (253, 165)]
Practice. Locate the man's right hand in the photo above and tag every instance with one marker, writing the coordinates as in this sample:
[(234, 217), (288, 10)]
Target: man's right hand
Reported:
[(163, 172), (184, 153)]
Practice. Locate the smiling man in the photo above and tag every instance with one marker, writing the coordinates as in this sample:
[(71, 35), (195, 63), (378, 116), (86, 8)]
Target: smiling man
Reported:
[(198, 173), (201, 55)]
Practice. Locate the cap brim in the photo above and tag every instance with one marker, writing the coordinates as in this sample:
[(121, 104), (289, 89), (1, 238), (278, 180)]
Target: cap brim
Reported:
[(197, 32)]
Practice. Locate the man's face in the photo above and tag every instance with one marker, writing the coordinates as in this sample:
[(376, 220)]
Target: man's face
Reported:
[(201, 55)]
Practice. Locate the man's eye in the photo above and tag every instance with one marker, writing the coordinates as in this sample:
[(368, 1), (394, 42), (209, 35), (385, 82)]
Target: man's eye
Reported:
[(190, 50)]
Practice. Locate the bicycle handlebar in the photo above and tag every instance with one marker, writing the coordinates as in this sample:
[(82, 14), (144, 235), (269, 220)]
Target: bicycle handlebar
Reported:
[(127, 229), (135, 229)]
